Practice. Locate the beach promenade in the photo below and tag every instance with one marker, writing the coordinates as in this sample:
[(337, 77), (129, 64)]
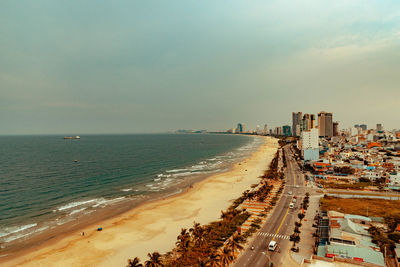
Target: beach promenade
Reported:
[(152, 226)]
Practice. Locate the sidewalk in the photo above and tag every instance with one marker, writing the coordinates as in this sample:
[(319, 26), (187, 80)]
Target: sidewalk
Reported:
[(307, 241)]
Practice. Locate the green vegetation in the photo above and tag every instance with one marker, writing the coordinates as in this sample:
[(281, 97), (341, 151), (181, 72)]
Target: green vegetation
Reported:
[(380, 238), (134, 263)]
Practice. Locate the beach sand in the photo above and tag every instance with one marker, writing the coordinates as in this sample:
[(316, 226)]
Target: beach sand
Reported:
[(152, 226)]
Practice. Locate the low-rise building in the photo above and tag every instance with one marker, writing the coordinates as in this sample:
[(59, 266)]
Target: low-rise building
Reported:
[(348, 238)]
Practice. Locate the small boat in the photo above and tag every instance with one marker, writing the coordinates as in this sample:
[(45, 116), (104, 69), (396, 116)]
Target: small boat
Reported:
[(72, 137), (100, 228)]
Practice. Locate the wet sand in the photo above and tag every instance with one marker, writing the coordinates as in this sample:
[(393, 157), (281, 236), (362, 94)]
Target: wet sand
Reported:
[(152, 226)]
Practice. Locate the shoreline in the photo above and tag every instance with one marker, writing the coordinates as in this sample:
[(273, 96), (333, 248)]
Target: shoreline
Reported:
[(152, 225), (51, 229), (19, 246)]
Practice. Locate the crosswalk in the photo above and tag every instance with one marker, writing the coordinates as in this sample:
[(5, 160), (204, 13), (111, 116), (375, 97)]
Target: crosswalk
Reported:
[(273, 235)]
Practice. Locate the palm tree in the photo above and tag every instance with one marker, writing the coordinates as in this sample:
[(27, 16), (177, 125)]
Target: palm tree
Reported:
[(201, 263), (234, 243), (134, 263), (198, 235), (224, 215), (154, 260), (226, 257), (183, 242), (245, 193), (213, 260)]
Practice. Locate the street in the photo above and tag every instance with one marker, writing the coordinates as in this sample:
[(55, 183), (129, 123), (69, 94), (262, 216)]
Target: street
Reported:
[(279, 225)]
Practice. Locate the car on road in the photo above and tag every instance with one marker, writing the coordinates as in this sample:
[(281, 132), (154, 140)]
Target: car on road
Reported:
[(272, 246), (291, 206), (290, 192), (297, 186)]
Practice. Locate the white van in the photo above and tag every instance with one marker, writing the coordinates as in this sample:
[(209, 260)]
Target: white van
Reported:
[(291, 206), (272, 246)]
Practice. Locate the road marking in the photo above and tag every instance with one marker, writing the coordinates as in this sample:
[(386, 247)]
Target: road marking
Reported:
[(287, 211), (273, 235)]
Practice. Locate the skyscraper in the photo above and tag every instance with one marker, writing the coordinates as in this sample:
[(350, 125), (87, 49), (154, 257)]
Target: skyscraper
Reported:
[(309, 143), (308, 122), (266, 129), (379, 127), (312, 118), (296, 122), (325, 124), (363, 127), (286, 130), (240, 128), (336, 128)]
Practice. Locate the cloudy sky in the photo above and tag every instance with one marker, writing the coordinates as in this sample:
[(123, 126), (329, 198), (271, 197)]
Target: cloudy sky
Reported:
[(150, 66)]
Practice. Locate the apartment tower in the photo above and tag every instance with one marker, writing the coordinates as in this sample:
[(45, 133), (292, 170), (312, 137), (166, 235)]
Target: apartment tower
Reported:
[(325, 124), (296, 123), (336, 128)]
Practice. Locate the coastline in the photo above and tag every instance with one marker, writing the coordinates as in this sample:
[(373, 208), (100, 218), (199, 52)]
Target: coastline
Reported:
[(151, 226)]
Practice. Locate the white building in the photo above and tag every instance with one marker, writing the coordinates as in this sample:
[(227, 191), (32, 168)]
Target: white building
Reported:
[(310, 139), (309, 144), (372, 175)]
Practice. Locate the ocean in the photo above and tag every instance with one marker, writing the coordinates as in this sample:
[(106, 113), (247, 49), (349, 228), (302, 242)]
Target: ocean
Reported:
[(47, 182)]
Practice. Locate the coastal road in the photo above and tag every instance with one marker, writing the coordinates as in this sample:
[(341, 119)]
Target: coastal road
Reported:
[(279, 225)]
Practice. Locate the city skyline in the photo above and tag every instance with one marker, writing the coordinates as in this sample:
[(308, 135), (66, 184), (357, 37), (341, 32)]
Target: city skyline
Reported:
[(148, 67)]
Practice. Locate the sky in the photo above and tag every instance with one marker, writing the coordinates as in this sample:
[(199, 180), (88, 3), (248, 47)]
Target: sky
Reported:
[(84, 67)]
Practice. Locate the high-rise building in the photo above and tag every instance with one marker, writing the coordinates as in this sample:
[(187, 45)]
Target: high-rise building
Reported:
[(296, 122), (266, 129), (240, 128), (325, 124), (336, 128), (278, 131), (379, 127), (258, 129), (286, 130), (308, 122), (312, 118), (305, 123), (310, 144), (363, 127)]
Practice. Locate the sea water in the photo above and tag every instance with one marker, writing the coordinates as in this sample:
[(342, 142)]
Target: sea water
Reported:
[(46, 181)]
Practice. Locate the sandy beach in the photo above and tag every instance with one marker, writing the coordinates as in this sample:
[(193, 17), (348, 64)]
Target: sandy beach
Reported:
[(152, 226)]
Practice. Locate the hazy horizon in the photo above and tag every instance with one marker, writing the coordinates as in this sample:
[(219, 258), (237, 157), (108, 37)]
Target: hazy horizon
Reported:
[(149, 67)]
